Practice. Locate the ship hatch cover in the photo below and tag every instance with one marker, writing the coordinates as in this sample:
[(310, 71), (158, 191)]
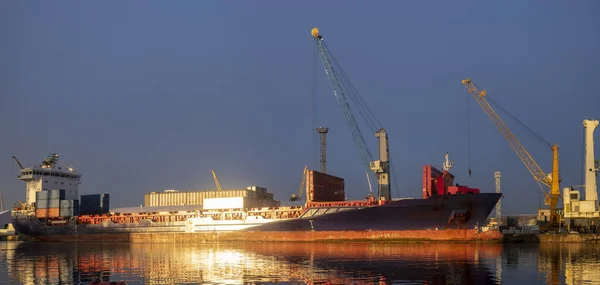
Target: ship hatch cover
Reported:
[(313, 212)]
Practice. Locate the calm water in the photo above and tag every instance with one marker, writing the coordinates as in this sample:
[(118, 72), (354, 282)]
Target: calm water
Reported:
[(60, 263)]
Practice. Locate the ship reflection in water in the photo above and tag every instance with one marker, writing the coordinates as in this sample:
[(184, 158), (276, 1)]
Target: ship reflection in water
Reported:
[(299, 263)]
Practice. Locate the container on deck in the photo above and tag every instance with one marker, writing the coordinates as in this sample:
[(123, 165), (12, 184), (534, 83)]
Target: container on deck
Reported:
[(57, 194), (47, 213), (41, 195), (45, 204), (321, 187), (94, 204), (69, 208)]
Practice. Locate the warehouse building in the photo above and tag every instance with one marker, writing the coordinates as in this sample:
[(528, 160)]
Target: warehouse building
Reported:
[(255, 197)]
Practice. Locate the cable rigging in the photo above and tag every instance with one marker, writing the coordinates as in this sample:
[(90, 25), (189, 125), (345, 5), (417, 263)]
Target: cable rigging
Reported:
[(314, 107), (346, 95)]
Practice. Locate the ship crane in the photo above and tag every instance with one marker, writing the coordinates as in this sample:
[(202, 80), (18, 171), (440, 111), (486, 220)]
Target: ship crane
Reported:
[(18, 162), (551, 180), (296, 197), (342, 89)]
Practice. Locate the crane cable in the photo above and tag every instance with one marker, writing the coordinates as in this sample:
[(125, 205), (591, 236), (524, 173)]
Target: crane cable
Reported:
[(517, 120), (364, 111), (366, 114), (541, 188), (488, 98), (315, 71), (469, 133)]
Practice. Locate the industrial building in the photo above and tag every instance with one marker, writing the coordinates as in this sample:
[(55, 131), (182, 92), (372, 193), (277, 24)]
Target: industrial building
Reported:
[(256, 197)]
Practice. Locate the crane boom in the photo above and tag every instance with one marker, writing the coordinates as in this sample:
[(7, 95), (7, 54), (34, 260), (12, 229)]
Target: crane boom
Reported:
[(552, 181), (342, 101), (380, 168), (514, 143), (18, 162)]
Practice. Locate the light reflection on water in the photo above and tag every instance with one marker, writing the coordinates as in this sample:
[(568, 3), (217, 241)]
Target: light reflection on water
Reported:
[(298, 263)]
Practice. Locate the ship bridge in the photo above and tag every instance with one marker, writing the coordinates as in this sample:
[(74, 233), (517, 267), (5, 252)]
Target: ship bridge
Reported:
[(50, 175)]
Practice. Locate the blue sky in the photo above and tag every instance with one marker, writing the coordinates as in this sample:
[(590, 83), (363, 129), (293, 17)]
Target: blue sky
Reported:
[(146, 96)]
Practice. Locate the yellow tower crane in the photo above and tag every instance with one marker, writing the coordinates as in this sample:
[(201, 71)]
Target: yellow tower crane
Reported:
[(216, 180), (551, 180)]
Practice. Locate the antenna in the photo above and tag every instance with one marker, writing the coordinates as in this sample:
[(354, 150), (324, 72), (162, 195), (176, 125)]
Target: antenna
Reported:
[(447, 164)]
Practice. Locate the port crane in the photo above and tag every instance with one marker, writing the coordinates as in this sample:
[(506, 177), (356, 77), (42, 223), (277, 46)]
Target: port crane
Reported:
[(216, 181), (551, 180), (342, 90)]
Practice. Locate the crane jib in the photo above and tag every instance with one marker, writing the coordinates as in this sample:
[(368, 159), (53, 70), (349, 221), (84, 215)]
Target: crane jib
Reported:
[(338, 92), (341, 88), (538, 174)]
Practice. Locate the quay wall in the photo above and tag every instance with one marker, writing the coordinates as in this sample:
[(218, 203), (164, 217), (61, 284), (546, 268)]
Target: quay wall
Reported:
[(568, 238)]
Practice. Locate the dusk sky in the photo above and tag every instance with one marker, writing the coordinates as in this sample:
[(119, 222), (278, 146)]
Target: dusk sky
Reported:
[(151, 95)]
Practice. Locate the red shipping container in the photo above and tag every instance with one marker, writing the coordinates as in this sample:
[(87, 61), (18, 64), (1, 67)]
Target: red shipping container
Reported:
[(430, 181), (321, 187)]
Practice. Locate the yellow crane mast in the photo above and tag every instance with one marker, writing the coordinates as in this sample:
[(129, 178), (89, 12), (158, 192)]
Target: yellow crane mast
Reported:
[(552, 180), (216, 180)]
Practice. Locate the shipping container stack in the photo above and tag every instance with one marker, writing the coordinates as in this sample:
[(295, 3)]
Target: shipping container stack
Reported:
[(94, 204), (69, 208), (47, 203)]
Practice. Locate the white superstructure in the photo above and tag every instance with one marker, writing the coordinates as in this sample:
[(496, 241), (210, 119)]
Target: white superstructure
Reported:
[(50, 175), (591, 169), (577, 206)]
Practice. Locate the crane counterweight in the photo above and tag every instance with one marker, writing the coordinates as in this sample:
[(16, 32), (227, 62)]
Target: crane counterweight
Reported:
[(315, 32)]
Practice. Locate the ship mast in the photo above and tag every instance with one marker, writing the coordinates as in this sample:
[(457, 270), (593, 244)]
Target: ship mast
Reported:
[(447, 164)]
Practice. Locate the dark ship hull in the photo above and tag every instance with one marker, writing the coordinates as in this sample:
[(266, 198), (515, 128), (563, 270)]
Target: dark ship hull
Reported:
[(449, 212), (445, 212)]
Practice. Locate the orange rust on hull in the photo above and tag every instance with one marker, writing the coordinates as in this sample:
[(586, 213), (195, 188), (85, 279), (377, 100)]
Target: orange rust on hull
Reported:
[(311, 236)]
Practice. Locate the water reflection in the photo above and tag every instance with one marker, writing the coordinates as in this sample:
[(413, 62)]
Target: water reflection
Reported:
[(298, 263), (570, 264), (60, 263)]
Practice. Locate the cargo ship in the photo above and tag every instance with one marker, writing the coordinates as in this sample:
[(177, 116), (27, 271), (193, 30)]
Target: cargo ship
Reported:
[(456, 210), (57, 214)]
